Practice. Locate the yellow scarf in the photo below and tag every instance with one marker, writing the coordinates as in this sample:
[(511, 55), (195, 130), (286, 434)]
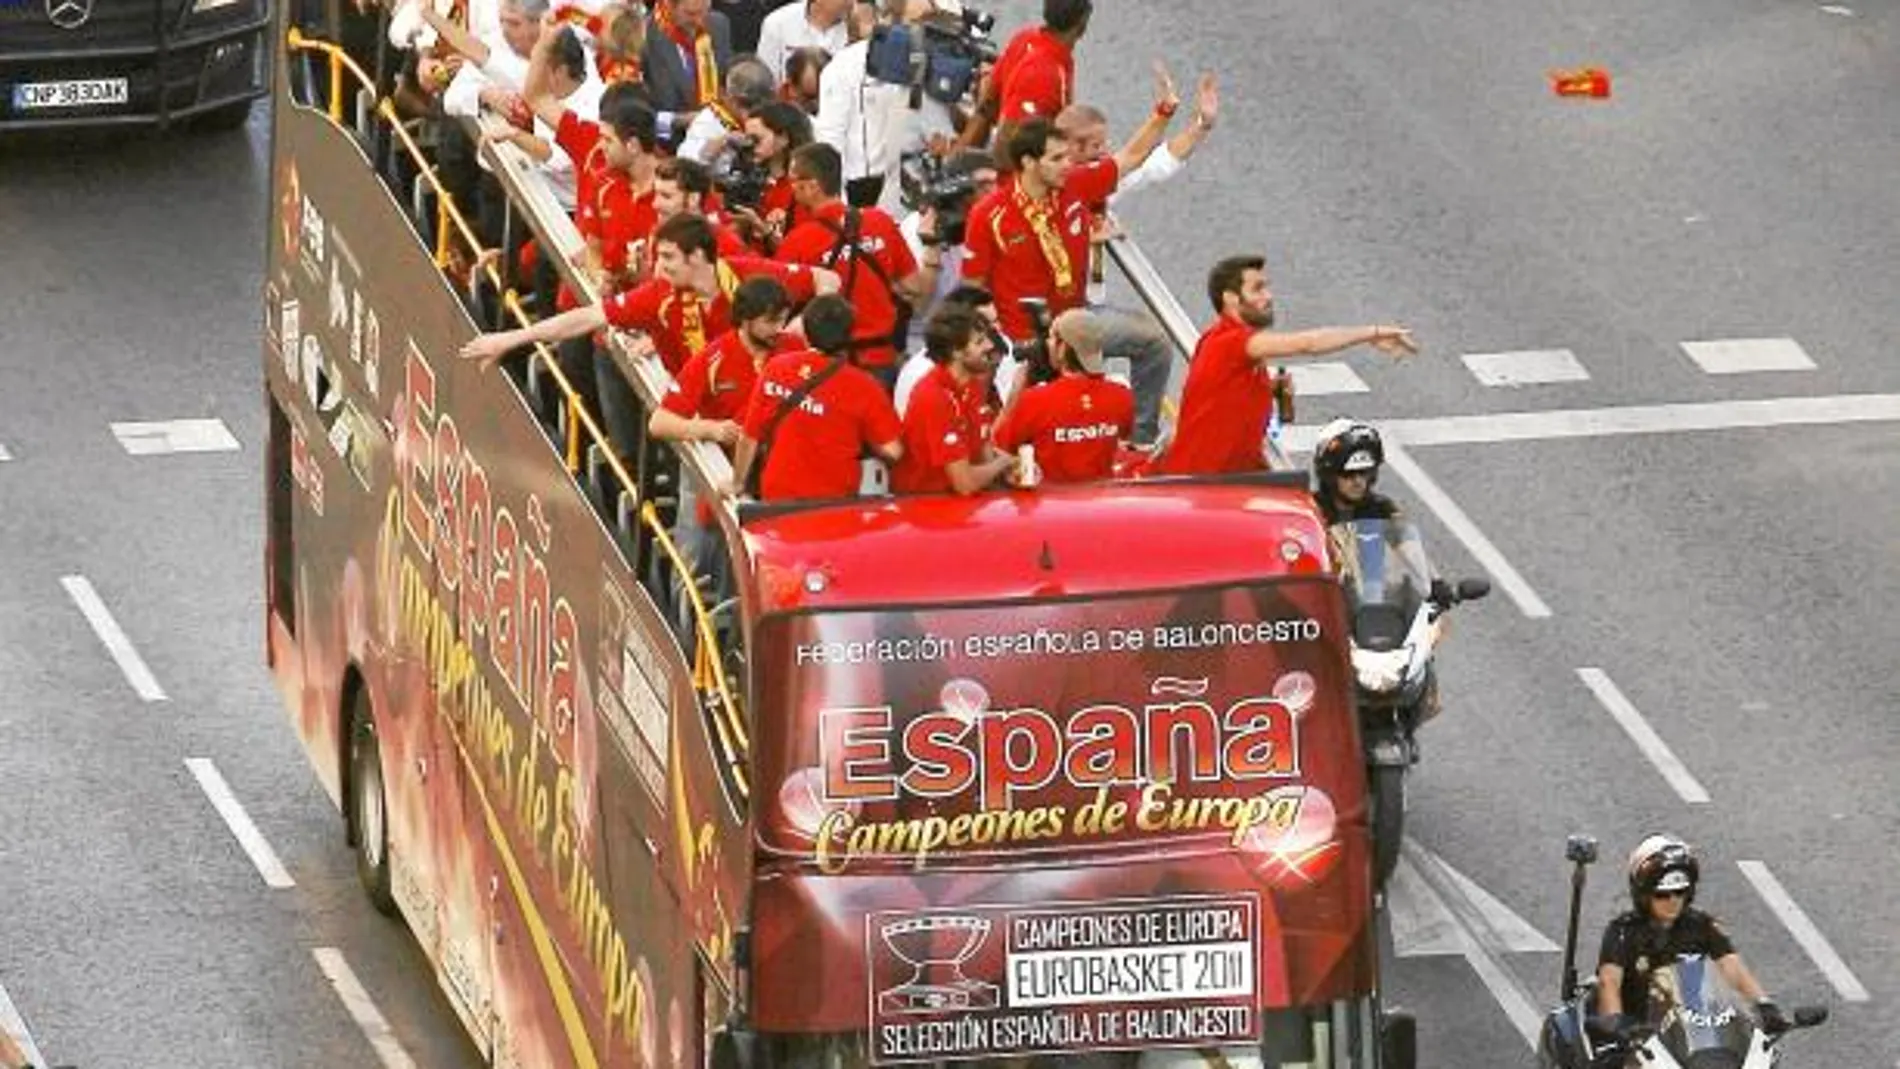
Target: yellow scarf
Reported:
[(705, 60), (1053, 250), (693, 309)]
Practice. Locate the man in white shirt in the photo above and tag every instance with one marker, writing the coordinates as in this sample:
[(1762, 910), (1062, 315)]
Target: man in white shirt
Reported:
[(871, 123), (803, 24)]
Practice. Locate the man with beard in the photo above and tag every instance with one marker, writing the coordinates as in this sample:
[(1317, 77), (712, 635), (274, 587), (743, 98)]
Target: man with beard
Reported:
[(1229, 392)]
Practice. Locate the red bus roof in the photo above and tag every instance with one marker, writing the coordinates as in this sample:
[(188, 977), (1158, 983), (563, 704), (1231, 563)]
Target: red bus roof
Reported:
[(1052, 542)]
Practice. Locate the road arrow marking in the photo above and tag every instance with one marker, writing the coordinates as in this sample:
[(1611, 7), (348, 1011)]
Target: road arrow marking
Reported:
[(1427, 892)]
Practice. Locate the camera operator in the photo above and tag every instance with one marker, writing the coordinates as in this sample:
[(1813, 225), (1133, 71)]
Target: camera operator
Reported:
[(750, 85), (873, 122), (1075, 422), (863, 246), (945, 189), (757, 186)]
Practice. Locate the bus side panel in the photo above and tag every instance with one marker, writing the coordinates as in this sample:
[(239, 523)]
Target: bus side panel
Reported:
[(568, 849)]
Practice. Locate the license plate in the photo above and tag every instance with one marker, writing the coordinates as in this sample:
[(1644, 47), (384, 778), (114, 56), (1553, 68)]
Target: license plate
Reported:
[(30, 96)]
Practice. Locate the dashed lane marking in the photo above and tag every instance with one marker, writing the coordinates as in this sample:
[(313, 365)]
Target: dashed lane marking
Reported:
[(382, 1039), (1530, 367), (120, 647), (1818, 949), (1401, 464), (175, 436), (16, 1045), (1326, 377), (4, 455), (1742, 356), (211, 781), (1660, 755)]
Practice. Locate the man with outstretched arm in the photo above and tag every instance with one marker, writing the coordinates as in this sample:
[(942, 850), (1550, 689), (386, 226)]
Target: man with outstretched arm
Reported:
[(1229, 393)]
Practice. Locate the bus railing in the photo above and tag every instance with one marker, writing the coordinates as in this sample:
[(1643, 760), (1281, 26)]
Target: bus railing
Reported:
[(578, 425)]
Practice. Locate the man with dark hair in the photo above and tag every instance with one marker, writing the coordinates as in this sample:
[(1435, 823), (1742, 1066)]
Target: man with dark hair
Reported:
[(681, 309), (1075, 422), (919, 365), (707, 400), (614, 159), (813, 414), (1229, 395), (1034, 77), (945, 450), (864, 247), (1029, 238)]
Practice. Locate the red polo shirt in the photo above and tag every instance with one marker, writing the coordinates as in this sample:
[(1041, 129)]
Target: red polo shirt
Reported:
[(1075, 423), (717, 381), (1035, 75), (812, 243), (681, 322), (1006, 256), (942, 425), (816, 449), (1224, 406)]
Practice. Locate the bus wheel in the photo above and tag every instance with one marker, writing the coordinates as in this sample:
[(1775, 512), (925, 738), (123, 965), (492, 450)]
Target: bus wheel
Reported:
[(369, 809)]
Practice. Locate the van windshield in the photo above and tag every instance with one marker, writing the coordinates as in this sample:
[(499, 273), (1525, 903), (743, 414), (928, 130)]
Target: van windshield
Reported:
[(1022, 733)]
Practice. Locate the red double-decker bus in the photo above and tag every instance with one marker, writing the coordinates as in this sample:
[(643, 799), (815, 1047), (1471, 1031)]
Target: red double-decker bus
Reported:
[(1058, 778)]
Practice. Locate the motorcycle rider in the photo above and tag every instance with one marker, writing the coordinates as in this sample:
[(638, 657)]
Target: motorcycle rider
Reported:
[(1346, 463), (1663, 873)]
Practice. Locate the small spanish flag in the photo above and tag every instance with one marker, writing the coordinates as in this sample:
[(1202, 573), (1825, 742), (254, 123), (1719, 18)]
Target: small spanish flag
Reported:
[(1581, 82)]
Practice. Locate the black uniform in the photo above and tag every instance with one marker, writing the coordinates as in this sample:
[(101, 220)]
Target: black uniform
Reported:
[(1638, 945)]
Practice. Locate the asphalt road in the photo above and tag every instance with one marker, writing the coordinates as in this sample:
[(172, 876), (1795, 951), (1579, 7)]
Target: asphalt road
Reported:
[(1396, 163)]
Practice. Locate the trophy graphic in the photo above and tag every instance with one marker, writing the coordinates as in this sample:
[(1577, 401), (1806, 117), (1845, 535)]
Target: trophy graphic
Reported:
[(936, 948)]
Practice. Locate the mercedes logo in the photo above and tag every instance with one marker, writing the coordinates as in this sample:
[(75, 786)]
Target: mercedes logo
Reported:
[(68, 14)]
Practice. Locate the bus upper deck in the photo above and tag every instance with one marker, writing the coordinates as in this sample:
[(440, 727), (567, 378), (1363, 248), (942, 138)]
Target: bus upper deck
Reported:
[(614, 843)]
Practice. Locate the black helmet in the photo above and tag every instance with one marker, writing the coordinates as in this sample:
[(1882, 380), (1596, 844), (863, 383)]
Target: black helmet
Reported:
[(1662, 863), (1346, 446)]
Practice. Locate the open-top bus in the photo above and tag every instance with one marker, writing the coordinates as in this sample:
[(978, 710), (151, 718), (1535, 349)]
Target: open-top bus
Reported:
[(1057, 778)]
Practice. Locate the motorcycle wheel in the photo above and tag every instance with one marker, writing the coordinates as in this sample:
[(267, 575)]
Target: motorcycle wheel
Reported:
[(1387, 798)]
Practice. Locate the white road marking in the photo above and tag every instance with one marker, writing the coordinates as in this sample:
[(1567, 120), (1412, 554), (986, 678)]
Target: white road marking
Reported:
[(1423, 926), (1645, 419), (211, 781), (175, 436), (357, 1001), (4, 455), (1742, 356), (1527, 368), (1326, 377), (1645, 737), (1837, 9), (1475, 941), (1461, 526), (13, 1031), (109, 632), (1818, 949)]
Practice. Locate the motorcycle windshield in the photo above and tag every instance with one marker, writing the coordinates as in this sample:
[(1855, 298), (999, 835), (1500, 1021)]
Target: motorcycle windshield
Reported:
[(1694, 1010), (1386, 574)]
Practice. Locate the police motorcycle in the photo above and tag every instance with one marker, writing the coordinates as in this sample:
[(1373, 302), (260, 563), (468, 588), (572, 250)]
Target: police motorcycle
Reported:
[(1695, 1020), (1398, 611)]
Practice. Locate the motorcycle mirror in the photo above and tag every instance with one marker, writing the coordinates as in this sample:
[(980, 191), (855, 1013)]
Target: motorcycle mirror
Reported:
[(1473, 589), (1580, 848), (1809, 1016)]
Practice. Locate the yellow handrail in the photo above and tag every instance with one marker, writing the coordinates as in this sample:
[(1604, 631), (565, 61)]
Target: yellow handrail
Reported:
[(730, 724)]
